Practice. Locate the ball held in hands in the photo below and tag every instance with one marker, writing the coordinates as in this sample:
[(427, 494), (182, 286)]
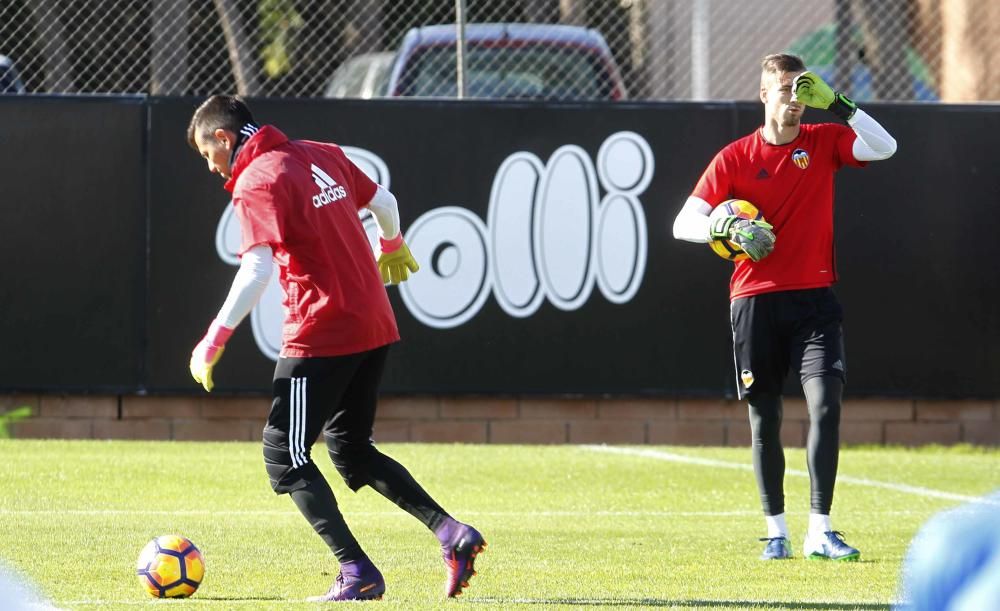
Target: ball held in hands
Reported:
[(754, 237), (737, 231)]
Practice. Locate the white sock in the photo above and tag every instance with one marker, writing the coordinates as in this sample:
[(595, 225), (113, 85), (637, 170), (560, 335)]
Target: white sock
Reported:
[(776, 526), (819, 524)]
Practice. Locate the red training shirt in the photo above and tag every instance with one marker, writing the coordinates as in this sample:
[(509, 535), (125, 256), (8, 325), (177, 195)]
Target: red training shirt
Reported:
[(301, 198), (792, 185)]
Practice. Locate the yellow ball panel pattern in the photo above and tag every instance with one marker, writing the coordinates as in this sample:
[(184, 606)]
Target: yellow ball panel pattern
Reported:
[(170, 566), (733, 207)]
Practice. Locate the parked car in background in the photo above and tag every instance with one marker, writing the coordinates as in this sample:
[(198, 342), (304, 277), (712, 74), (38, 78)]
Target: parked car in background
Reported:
[(10, 81), (362, 76), (508, 60)]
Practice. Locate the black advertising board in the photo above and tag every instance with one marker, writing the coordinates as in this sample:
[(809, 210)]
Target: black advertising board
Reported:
[(72, 178), (921, 299), (544, 236), (664, 328)]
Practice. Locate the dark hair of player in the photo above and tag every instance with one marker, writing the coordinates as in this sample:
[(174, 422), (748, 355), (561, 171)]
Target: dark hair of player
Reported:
[(218, 112)]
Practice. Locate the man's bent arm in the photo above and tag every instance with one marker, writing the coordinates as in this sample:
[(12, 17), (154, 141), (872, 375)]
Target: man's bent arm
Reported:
[(692, 223), (873, 142)]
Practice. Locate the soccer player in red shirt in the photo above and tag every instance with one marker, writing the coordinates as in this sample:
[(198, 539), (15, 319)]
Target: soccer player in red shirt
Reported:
[(297, 203), (784, 313)]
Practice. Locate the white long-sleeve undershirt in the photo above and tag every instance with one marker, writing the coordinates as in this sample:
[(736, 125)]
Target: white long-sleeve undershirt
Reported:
[(386, 212), (251, 279), (692, 223), (873, 143)]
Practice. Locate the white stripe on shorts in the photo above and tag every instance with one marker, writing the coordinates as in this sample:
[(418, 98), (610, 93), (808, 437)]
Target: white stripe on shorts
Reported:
[(297, 423), (292, 420)]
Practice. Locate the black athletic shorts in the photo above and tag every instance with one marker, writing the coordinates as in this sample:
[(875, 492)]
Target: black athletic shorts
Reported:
[(787, 330), (334, 395)]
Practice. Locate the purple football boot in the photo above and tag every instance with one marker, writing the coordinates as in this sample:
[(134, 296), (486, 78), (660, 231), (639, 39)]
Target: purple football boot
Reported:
[(358, 580), (460, 545)]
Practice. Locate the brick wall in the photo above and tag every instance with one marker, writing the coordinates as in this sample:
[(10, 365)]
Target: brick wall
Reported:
[(509, 420)]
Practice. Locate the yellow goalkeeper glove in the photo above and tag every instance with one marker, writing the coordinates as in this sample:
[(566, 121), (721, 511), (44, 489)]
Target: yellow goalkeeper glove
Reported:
[(208, 352), (812, 91), (395, 263)]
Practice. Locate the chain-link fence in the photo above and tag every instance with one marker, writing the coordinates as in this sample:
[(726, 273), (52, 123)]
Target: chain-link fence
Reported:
[(925, 50)]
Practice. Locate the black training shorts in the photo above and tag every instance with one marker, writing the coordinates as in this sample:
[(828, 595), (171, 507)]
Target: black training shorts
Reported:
[(786, 330), (335, 396)]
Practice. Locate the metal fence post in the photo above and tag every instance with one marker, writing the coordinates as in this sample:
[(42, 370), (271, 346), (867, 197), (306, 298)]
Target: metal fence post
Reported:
[(460, 49)]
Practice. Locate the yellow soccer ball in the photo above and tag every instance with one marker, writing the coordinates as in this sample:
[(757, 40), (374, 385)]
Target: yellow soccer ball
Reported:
[(733, 207), (170, 566)]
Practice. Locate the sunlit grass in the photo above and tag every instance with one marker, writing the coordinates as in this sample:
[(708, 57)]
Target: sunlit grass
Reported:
[(567, 525)]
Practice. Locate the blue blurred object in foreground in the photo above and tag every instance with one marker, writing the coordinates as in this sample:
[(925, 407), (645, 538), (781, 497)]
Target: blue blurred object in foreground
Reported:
[(954, 561)]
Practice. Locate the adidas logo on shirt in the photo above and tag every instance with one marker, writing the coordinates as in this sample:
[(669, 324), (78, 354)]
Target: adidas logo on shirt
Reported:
[(329, 190)]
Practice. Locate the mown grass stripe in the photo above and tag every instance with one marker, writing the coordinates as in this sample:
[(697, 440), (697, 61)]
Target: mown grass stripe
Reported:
[(846, 479)]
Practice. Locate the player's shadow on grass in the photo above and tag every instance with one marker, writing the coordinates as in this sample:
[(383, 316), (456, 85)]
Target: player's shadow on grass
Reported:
[(700, 604)]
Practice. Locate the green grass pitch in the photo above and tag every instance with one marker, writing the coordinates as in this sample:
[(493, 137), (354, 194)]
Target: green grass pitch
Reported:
[(567, 526)]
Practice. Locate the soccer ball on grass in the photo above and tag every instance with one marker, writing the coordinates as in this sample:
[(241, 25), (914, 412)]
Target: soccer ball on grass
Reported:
[(170, 566)]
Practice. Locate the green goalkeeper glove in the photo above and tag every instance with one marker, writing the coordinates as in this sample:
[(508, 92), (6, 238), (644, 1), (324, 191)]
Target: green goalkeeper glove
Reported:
[(812, 91), (395, 263), (721, 228), (754, 237)]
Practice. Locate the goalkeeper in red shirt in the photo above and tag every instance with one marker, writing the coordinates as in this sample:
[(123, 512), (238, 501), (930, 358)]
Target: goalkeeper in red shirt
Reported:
[(297, 203), (784, 314)]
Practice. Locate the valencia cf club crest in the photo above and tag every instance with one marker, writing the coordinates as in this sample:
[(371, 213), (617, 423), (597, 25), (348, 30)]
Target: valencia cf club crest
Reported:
[(747, 376), (801, 158)]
